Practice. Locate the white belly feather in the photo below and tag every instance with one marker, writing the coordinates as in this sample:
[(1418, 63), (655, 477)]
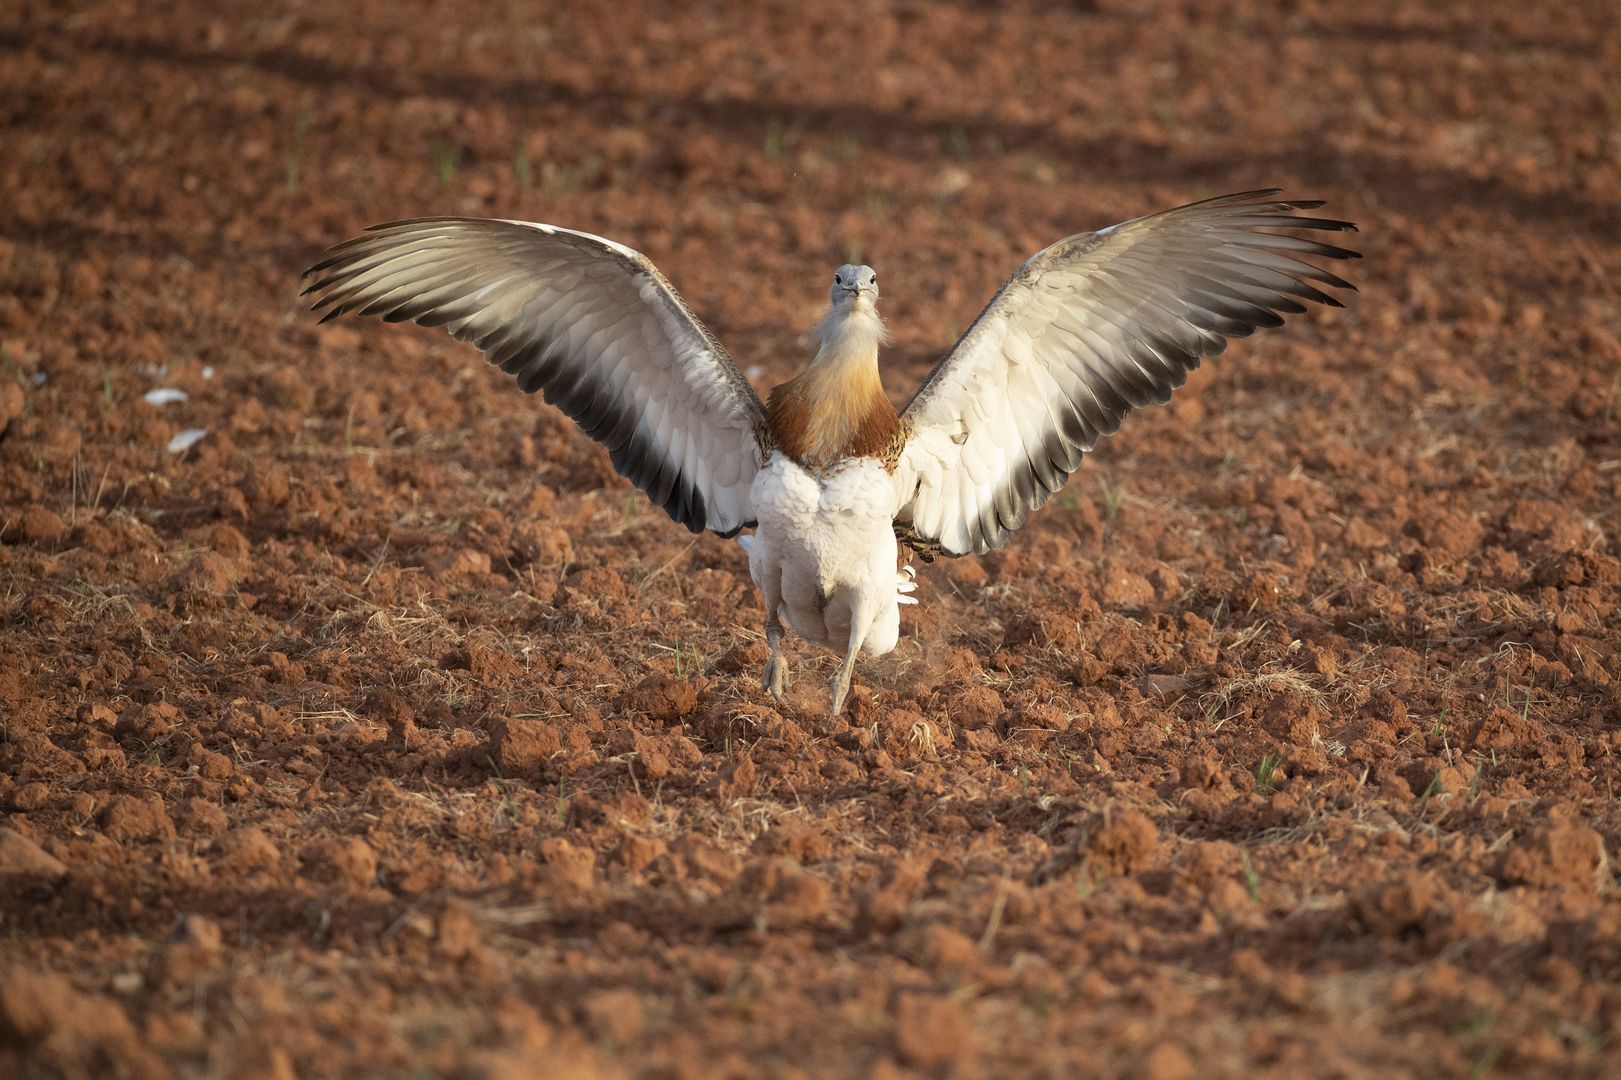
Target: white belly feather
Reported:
[(824, 552)]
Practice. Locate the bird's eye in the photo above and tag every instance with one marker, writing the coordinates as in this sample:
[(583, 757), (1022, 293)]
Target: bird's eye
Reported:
[(838, 280)]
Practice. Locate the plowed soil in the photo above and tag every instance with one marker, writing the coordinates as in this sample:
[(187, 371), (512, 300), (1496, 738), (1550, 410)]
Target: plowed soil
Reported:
[(384, 731)]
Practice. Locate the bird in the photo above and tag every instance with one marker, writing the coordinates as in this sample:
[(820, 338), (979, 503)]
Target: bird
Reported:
[(838, 485)]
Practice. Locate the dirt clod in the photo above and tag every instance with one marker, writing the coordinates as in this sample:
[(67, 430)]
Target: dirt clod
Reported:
[(1121, 843), (65, 1032), (614, 1015), (21, 856), (43, 526), (1559, 855), (198, 932), (1399, 906), (1167, 1061), (348, 862), (929, 1031), (521, 746), (133, 817), (247, 850)]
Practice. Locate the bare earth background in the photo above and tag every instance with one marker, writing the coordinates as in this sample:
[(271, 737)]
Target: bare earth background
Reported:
[(382, 733)]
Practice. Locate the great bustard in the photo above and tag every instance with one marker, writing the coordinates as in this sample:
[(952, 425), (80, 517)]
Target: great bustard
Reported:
[(828, 474)]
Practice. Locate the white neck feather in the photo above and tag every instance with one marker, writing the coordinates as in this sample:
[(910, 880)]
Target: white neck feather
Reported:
[(849, 333)]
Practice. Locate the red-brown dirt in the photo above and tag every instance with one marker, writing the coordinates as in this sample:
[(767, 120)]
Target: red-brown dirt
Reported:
[(381, 733)]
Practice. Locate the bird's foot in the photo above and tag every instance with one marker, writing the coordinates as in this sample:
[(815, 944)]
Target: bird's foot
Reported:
[(841, 690), (775, 679)]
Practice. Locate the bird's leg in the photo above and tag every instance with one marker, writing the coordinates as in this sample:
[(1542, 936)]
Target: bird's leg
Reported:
[(776, 667), (841, 681)]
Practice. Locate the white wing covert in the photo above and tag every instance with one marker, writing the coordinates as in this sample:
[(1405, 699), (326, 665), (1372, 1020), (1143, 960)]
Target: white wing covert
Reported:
[(1084, 332), (591, 324)]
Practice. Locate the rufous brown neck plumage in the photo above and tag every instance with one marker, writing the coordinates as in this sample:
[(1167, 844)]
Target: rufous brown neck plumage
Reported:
[(836, 408)]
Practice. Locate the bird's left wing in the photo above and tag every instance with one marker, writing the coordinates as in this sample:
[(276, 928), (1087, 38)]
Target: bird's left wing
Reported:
[(1084, 332), (590, 323)]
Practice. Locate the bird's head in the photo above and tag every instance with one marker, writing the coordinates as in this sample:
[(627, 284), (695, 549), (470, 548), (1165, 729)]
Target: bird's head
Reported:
[(852, 326), (857, 285)]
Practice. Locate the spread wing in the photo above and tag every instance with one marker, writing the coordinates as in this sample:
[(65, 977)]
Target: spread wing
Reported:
[(592, 325), (1087, 330)]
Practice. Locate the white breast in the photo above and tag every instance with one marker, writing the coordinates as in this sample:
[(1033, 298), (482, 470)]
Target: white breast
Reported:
[(824, 551)]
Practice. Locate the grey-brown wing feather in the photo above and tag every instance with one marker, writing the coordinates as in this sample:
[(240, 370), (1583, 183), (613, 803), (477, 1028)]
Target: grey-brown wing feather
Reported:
[(1087, 330), (590, 324)]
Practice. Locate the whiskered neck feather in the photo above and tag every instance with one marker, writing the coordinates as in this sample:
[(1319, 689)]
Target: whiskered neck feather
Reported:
[(849, 332), (836, 408)]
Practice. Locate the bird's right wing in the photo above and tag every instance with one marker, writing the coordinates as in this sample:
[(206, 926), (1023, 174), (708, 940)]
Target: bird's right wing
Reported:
[(1084, 332), (590, 323)]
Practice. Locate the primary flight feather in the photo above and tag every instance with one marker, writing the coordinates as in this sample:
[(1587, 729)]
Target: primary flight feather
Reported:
[(830, 476)]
